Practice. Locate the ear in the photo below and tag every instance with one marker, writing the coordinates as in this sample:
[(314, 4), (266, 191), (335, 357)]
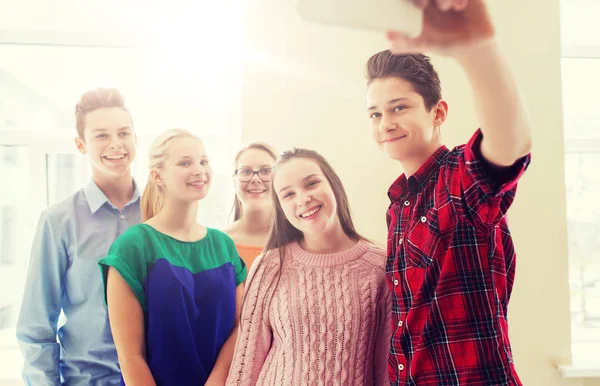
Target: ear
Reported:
[(80, 143), (157, 178), (440, 113)]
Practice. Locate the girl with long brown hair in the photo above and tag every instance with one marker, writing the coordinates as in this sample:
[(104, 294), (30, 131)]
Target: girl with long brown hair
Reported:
[(317, 305)]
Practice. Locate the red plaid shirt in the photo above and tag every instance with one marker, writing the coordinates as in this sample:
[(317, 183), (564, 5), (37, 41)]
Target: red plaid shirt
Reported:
[(451, 266)]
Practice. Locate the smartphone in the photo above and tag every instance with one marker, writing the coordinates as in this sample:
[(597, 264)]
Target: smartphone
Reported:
[(376, 15)]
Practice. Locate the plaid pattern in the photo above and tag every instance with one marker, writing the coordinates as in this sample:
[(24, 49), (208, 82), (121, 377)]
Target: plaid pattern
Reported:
[(451, 266)]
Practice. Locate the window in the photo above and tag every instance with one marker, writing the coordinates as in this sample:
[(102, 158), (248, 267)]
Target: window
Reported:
[(168, 81), (580, 68), (65, 174), (582, 162), (13, 165), (13, 161)]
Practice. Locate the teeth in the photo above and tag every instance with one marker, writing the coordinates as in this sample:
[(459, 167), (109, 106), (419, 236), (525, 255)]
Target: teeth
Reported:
[(197, 184), (256, 191), (116, 157), (310, 213)]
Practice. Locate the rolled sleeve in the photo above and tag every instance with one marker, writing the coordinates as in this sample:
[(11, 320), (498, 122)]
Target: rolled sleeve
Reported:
[(493, 182), (41, 306), (482, 191)]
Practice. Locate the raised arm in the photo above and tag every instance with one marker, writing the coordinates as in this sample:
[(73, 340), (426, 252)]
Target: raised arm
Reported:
[(500, 108), (463, 30)]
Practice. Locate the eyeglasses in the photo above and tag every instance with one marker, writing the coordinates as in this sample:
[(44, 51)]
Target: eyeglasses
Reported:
[(246, 174)]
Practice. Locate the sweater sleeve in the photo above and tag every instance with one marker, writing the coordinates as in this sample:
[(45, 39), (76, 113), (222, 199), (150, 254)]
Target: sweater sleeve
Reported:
[(255, 333), (383, 335)]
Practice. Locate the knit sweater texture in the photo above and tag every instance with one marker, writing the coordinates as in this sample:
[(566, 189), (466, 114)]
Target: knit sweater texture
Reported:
[(315, 319)]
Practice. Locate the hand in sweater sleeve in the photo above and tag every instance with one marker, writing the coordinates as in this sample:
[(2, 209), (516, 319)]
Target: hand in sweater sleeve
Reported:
[(255, 334), (383, 336)]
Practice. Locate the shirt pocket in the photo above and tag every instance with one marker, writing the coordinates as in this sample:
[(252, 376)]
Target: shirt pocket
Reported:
[(424, 240)]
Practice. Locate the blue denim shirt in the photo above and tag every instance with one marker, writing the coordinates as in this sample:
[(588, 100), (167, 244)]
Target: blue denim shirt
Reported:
[(63, 276)]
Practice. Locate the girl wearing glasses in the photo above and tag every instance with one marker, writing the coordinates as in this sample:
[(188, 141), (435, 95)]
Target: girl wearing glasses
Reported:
[(252, 207)]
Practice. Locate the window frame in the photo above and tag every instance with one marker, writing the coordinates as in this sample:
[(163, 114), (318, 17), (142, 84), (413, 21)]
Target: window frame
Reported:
[(580, 367)]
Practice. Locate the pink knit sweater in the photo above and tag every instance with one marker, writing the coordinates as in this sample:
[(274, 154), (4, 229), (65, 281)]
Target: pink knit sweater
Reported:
[(328, 322)]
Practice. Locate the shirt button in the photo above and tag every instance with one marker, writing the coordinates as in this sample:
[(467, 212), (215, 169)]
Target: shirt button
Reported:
[(400, 367), (423, 219), (399, 323), (396, 282), (122, 217), (406, 203), (400, 241)]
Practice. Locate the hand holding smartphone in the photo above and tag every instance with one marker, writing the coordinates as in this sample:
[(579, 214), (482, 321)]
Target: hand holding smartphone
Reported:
[(377, 15), (445, 27)]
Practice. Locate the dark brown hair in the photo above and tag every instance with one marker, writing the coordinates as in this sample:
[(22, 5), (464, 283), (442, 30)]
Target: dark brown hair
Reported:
[(99, 98), (237, 204), (414, 68), (282, 232)]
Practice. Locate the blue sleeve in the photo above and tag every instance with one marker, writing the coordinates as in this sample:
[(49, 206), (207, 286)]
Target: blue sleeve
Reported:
[(41, 306)]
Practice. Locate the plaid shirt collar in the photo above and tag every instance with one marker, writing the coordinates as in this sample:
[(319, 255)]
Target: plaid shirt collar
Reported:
[(403, 186)]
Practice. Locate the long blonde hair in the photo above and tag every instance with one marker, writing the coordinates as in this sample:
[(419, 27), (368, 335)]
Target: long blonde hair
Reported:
[(237, 204), (152, 200)]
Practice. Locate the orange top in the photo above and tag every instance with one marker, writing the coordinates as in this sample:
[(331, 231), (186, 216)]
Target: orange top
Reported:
[(248, 253)]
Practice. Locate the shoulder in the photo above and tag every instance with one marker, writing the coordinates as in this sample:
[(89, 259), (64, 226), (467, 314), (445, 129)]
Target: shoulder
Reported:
[(219, 237), (266, 265), (56, 222), (375, 254), (375, 258), (136, 237), (453, 157), (138, 230), (459, 152), (221, 245), (61, 212), (272, 257), (451, 167)]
